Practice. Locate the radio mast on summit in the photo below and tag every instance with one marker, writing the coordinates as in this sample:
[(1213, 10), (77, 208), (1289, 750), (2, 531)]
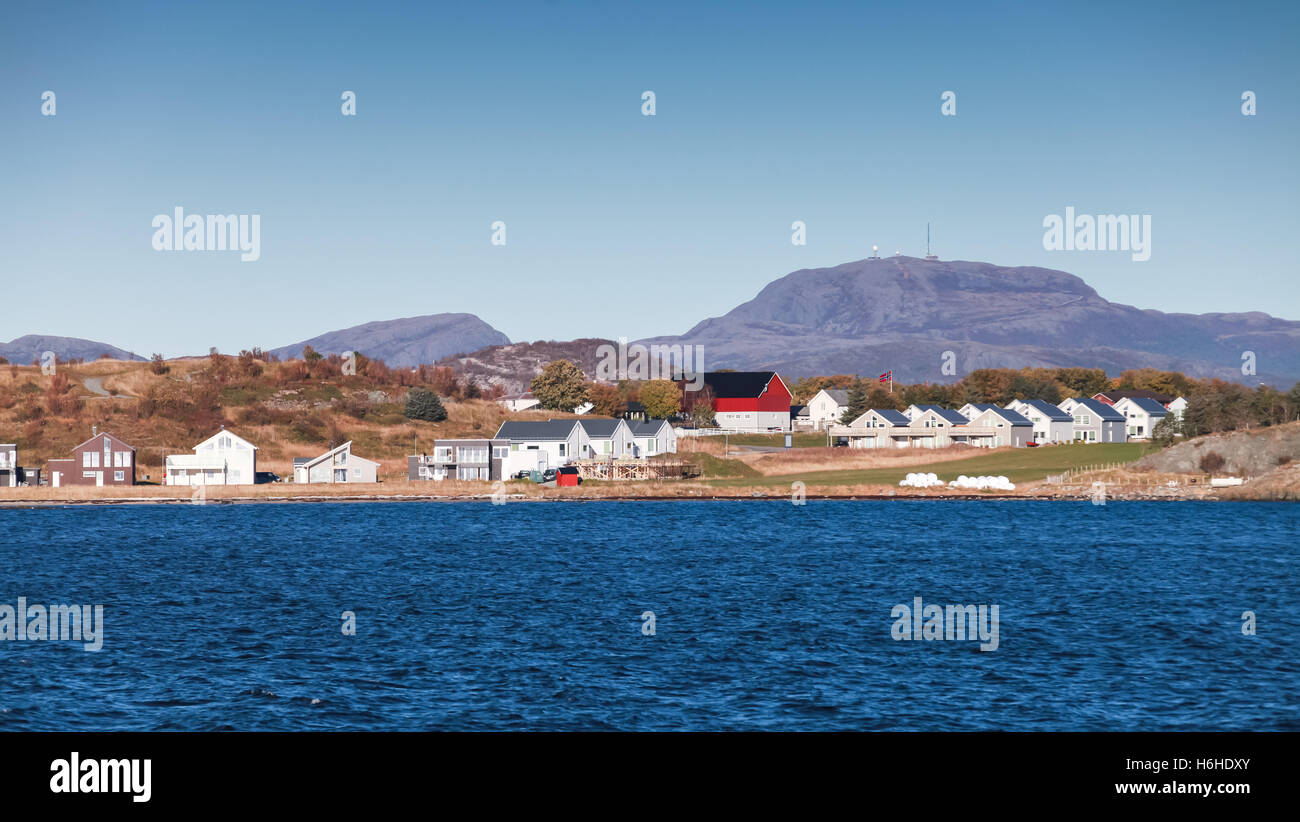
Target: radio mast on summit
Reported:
[(928, 255)]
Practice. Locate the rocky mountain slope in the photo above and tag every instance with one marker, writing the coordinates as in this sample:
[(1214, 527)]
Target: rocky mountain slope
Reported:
[(25, 350), (406, 342), (904, 313)]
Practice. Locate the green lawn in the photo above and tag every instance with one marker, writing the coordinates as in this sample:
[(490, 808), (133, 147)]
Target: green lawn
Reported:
[(1019, 465), (802, 439)]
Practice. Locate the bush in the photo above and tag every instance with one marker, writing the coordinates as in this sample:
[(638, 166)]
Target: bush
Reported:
[(422, 404), (1212, 461)]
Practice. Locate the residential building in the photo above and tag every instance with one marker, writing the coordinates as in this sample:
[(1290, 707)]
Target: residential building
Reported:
[(1142, 415), (608, 438), (537, 445), (756, 401), (653, 437), (635, 412), (8, 465), (1051, 424), (799, 418), (101, 460), (225, 458), (1010, 427), (938, 414), (336, 465), (1114, 395), (520, 402), (1177, 407), (1094, 421), (827, 406), (461, 459)]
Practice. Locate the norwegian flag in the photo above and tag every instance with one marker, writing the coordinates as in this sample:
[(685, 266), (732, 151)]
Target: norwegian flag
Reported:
[(888, 376)]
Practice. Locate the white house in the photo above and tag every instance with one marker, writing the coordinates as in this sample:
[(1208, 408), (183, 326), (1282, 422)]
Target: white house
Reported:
[(225, 458), (827, 407), (520, 402), (1051, 424), (654, 437), (1177, 407), (336, 465), (875, 429), (8, 465), (537, 445), (608, 439), (1094, 420), (1142, 415)]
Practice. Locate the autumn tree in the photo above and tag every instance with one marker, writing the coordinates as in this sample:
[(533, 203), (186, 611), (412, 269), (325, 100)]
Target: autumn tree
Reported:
[(606, 400), (662, 399), (560, 387)]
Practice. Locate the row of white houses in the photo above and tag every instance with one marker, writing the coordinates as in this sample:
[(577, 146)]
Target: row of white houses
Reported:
[(538, 445), (1018, 424)]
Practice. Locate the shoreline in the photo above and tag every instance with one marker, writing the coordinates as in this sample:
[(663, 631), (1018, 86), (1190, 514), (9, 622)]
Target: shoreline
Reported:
[(1033, 495)]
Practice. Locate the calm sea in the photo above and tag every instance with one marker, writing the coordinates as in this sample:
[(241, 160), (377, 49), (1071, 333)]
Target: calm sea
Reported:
[(766, 615)]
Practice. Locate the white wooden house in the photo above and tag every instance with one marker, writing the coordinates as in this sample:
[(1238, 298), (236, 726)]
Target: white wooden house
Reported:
[(1051, 424), (225, 458), (653, 437), (827, 407), (1141, 416)]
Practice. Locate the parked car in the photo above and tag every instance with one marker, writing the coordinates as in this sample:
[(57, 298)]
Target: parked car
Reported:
[(263, 477), (549, 475), (521, 474)]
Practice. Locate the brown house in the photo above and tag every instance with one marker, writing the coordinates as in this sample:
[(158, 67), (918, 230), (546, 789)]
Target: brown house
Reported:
[(101, 460)]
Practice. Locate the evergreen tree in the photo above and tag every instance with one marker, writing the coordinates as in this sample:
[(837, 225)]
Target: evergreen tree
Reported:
[(423, 404)]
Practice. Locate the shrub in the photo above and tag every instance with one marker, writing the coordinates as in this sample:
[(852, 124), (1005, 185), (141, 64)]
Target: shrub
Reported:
[(422, 404), (1212, 461)]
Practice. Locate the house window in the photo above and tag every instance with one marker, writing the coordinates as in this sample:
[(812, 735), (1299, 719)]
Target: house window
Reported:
[(356, 473), (500, 452), (85, 458), (119, 476), (563, 449)]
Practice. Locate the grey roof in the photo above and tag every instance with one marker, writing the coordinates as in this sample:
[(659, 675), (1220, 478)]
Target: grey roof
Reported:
[(1048, 410), (1010, 415), (799, 410), (947, 413), (647, 428), (600, 429), (1149, 405), (302, 460), (535, 430), (1100, 408), (840, 395), (896, 417)]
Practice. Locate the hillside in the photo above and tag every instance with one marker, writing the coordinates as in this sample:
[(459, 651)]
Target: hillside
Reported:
[(406, 342), (513, 366), (903, 313), (1250, 453), (284, 408)]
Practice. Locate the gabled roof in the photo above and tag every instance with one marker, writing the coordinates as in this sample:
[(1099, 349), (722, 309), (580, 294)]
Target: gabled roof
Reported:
[(1148, 405), (118, 440), (1010, 415), (648, 428), (551, 430), (1099, 408), (227, 432), (599, 429), (840, 395), (737, 384), (948, 414), (799, 411), (1052, 412), (1117, 394), (892, 416)]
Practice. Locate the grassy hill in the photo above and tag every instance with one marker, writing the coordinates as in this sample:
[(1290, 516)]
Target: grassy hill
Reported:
[(288, 409)]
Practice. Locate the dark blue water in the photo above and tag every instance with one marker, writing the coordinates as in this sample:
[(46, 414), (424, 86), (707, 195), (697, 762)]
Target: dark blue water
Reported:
[(768, 616)]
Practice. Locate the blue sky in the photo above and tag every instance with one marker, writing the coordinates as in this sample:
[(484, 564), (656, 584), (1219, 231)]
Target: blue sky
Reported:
[(620, 224)]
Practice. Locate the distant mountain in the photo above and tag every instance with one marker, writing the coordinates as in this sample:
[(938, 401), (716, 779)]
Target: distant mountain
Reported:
[(513, 366), (406, 342), (903, 313), (28, 349)]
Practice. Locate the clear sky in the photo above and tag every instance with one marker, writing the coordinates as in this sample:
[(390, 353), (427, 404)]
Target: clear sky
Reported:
[(620, 224)]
